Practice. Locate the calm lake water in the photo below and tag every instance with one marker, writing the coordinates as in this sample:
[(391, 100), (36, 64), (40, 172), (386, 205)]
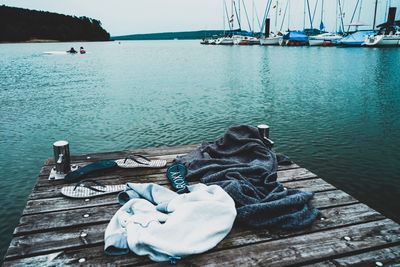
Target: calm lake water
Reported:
[(334, 111)]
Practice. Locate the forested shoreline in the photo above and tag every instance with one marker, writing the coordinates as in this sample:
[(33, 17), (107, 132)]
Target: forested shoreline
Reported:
[(21, 25)]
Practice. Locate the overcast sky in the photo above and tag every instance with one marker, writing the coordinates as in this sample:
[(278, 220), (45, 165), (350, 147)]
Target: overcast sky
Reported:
[(121, 17)]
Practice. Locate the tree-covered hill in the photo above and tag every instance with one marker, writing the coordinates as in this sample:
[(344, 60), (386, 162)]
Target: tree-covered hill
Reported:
[(18, 25), (177, 35)]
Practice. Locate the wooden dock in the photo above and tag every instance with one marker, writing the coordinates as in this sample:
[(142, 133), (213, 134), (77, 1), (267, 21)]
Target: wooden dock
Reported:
[(57, 231)]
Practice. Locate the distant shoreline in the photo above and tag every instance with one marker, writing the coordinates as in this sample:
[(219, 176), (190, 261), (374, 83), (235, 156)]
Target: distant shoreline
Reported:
[(45, 41)]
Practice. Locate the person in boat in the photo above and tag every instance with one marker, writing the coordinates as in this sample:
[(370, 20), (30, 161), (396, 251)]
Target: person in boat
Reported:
[(82, 50), (72, 51)]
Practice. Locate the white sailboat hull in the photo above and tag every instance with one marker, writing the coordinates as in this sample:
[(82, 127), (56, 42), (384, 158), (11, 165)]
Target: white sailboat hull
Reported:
[(270, 40), (382, 40), (315, 42), (224, 41)]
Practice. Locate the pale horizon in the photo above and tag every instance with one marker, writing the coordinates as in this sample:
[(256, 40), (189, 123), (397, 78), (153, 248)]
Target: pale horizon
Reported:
[(125, 17)]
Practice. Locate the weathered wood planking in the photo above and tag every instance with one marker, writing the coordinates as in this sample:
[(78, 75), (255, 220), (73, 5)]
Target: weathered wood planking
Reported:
[(103, 213), (49, 231), (51, 240), (386, 256), (304, 248), (121, 176), (63, 203)]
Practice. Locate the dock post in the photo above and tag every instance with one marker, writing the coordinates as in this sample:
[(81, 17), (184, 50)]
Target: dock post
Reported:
[(264, 132), (62, 157)]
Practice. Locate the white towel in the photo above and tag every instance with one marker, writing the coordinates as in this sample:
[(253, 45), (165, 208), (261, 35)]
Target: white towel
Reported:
[(166, 226)]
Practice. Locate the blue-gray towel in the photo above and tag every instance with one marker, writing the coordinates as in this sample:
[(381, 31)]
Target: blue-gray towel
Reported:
[(246, 169)]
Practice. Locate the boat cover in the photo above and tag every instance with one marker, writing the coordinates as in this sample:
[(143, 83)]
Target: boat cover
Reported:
[(355, 39), (296, 36)]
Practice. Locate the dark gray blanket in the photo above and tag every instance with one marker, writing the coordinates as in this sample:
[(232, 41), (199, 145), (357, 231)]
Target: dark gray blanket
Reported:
[(246, 169)]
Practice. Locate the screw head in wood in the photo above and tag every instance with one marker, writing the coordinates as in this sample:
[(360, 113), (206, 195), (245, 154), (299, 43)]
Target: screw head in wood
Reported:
[(86, 215), (347, 238), (81, 260), (378, 263), (83, 234)]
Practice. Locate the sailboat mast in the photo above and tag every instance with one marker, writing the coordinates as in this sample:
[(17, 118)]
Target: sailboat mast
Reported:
[(252, 22), (247, 16), (322, 10), (276, 15), (359, 13), (240, 15), (223, 15), (288, 21), (284, 15), (237, 16), (309, 13), (336, 28), (227, 16), (304, 14), (341, 16), (232, 2), (352, 16), (376, 8), (315, 9)]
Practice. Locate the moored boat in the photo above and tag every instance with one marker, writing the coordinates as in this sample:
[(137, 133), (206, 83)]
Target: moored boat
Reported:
[(383, 40), (388, 34), (355, 39), (324, 39), (245, 40), (224, 41), (272, 40), (294, 38)]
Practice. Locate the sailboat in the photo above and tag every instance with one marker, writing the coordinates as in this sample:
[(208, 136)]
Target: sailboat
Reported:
[(388, 34), (270, 38), (323, 39), (294, 38), (244, 38), (357, 38), (227, 39)]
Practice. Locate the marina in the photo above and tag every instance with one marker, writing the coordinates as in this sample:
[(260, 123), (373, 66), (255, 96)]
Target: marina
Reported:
[(54, 230), (386, 34)]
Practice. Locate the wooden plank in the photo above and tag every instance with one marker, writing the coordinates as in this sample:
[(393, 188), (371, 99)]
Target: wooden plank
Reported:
[(55, 240), (151, 152), (382, 257), (304, 248), (92, 256), (43, 181), (313, 185), (332, 198), (47, 189), (51, 240), (332, 218), (295, 175), (102, 214), (63, 203)]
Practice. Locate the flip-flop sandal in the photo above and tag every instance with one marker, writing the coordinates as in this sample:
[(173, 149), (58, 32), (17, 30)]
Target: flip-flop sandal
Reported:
[(134, 161), (84, 190), (77, 175), (138, 161), (176, 175)]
